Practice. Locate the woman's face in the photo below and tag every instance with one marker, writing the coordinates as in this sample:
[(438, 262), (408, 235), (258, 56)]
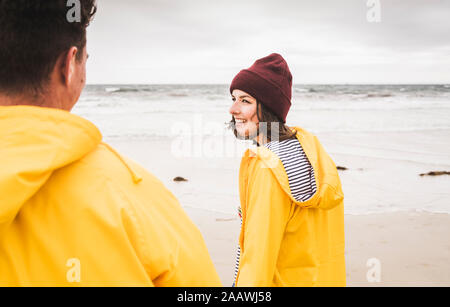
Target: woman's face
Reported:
[(243, 111)]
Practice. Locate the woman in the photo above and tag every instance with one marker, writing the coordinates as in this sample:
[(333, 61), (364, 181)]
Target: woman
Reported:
[(291, 197)]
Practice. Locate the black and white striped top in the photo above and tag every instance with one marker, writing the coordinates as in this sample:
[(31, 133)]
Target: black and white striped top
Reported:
[(299, 171), (238, 253)]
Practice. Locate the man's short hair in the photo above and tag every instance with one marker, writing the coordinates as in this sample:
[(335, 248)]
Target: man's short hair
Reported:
[(33, 34)]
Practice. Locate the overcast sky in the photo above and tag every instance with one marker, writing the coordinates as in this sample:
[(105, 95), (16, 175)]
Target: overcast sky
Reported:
[(323, 41)]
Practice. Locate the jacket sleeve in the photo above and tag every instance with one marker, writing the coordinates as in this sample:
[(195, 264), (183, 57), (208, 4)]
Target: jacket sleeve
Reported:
[(168, 244), (266, 214)]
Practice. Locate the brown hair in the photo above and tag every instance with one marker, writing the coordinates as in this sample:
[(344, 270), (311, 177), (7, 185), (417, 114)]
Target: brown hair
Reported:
[(33, 34)]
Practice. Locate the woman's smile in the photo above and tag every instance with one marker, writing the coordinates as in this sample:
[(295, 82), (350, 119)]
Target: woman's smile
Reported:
[(243, 111)]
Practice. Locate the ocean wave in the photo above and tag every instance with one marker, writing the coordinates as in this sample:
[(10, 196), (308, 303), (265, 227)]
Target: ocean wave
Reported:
[(304, 90), (168, 135), (177, 95), (121, 90), (380, 95)]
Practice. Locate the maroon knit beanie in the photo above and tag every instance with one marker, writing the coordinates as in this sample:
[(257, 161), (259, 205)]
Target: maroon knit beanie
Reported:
[(269, 81)]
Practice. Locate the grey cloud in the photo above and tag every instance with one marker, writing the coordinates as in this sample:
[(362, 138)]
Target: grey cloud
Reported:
[(225, 35)]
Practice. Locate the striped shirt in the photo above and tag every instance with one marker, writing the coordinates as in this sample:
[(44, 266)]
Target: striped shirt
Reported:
[(299, 171), (238, 253)]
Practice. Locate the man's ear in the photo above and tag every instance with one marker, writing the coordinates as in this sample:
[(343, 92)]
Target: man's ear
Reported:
[(68, 65)]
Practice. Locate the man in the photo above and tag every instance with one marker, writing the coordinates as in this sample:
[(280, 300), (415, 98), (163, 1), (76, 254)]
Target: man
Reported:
[(72, 210)]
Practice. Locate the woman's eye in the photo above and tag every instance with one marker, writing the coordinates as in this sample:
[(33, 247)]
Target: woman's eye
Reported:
[(246, 101)]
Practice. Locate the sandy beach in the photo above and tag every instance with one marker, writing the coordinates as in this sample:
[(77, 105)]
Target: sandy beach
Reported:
[(413, 248), (411, 245)]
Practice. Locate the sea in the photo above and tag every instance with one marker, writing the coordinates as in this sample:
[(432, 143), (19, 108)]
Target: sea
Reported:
[(148, 111)]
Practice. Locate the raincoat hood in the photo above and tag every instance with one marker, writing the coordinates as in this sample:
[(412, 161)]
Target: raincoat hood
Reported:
[(329, 191), (35, 142), (74, 212)]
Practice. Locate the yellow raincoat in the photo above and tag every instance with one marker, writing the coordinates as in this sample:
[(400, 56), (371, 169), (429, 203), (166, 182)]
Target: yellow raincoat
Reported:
[(285, 242), (75, 213)]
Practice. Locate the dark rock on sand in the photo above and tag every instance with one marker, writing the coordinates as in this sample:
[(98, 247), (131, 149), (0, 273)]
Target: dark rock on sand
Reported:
[(179, 179), (436, 173)]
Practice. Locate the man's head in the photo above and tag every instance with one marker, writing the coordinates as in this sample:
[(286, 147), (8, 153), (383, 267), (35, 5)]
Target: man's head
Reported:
[(42, 51)]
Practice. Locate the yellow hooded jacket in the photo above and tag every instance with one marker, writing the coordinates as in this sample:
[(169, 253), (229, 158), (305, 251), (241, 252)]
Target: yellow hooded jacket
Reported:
[(285, 242), (75, 213)]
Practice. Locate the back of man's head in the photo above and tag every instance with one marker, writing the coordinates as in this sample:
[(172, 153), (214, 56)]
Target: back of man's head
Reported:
[(33, 35)]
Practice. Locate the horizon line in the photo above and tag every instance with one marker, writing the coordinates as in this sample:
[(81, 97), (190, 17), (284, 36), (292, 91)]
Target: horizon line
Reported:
[(346, 83)]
